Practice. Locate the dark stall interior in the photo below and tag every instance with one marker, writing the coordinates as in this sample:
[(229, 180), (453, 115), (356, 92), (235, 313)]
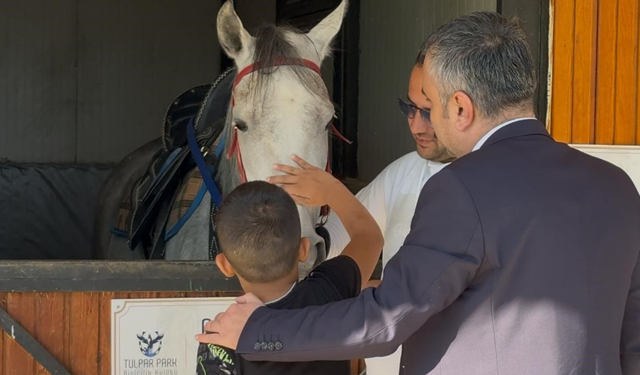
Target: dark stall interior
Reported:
[(83, 83)]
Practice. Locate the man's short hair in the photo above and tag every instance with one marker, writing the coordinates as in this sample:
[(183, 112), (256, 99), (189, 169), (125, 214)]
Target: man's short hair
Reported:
[(486, 56), (259, 231)]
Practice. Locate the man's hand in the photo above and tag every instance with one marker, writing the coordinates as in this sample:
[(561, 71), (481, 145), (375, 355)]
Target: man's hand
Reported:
[(307, 185), (226, 328)]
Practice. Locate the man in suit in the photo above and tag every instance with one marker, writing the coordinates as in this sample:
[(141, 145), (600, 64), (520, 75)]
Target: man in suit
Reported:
[(392, 196), (523, 255)]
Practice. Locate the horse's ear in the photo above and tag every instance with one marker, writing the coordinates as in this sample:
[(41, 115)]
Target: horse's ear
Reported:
[(234, 38), (327, 29)]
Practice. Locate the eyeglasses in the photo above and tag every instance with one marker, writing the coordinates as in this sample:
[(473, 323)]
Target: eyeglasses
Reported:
[(409, 110)]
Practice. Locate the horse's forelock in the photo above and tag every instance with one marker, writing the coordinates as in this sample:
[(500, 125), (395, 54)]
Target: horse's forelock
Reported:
[(271, 43)]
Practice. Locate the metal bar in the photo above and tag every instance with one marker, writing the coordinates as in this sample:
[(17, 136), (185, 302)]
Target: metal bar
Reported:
[(106, 276), (30, 344)]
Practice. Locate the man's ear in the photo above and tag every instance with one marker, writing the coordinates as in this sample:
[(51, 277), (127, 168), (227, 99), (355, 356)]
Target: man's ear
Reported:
[(225, 267), (303, 251), (464, 114)]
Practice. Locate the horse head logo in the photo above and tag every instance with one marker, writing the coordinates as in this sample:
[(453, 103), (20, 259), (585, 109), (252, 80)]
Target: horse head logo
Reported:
[(147, 343)]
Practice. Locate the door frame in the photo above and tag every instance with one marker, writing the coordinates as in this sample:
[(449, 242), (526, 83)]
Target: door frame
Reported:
[(534, 20)]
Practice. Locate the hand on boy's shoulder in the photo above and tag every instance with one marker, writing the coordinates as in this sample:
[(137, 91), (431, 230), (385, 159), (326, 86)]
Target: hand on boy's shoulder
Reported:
[(227, 326)]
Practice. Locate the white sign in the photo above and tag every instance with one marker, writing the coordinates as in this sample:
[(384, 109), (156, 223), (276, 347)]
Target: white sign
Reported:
[(156, 336)]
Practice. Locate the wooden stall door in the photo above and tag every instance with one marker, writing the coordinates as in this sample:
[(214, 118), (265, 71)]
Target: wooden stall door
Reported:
[(595, 69), (75, 328)]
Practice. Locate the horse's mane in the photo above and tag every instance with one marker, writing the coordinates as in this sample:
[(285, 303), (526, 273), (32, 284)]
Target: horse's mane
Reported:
[(271, 43)]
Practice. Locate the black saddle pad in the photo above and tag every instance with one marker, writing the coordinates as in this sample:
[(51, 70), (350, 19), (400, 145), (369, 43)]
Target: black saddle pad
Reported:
[(208, 106), (207, 103)]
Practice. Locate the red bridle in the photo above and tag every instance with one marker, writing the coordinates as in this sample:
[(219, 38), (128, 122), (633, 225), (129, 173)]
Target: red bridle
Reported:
[(235, 146)]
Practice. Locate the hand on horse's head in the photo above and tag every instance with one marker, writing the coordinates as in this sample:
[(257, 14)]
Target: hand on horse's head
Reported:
[(307, 185), (226, 328)]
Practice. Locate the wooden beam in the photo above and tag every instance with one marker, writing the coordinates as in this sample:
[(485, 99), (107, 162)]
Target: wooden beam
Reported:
[(97, 276), (584, 72), (607, 35), (626, 73)]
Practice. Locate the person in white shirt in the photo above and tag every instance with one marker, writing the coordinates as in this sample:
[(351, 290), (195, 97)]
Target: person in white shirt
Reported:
[(392, 196)]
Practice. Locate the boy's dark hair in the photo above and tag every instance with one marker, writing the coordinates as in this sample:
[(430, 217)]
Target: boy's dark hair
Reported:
[(259, 231)]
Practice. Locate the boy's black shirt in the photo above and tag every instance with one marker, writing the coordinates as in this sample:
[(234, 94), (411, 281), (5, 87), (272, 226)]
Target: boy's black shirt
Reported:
[(333, 280)]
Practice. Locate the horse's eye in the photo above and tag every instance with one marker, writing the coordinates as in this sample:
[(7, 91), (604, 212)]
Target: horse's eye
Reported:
[(241, 125), (335, 117)]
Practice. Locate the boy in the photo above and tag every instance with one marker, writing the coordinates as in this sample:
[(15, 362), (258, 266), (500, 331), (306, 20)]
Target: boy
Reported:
[(259, 232)]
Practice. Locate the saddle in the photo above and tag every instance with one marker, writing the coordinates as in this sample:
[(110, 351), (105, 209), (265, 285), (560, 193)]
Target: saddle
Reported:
[(170, 190), (145, 212), (208, 103)]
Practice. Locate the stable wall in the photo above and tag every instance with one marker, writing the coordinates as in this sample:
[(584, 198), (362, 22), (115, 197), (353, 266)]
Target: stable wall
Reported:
[(90, 80), (390, 38), (595, 68), (87, 82)]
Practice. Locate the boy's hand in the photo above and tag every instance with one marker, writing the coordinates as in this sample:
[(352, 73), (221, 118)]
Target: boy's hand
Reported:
[(307, 185)]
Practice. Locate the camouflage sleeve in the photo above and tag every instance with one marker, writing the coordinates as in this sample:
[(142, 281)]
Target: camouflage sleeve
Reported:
[(215, 360)]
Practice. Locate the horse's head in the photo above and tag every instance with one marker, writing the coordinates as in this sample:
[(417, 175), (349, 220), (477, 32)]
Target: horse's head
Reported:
[(281, 105)]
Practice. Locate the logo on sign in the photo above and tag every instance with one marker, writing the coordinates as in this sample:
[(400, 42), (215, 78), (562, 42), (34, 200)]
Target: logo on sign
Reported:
[(150, 344), (204, 323)]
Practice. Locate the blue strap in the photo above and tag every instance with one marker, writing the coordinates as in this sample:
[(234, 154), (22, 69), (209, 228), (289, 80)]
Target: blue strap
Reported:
[(166, 164), (119, 233), (202, 165), (170, 159), (183, 220)]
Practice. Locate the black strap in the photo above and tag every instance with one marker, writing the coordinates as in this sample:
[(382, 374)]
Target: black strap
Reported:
[(169, 180), (214, 242), (159, 247), (323, 232)]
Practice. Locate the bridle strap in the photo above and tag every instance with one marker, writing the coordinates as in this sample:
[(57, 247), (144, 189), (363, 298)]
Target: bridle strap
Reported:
[(280, 61), (337, 133), (234, 148)]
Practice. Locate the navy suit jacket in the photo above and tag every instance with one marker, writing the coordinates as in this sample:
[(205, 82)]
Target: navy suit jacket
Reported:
[(522, 259)]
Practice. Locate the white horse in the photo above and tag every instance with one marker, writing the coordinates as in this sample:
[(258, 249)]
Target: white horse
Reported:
[(280, 107)]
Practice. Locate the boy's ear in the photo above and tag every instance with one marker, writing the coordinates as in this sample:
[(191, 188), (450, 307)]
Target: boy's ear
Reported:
[(303, 251), (225, 267)]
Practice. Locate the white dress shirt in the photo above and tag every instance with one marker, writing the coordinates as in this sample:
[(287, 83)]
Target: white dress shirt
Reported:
[(391, 199)]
